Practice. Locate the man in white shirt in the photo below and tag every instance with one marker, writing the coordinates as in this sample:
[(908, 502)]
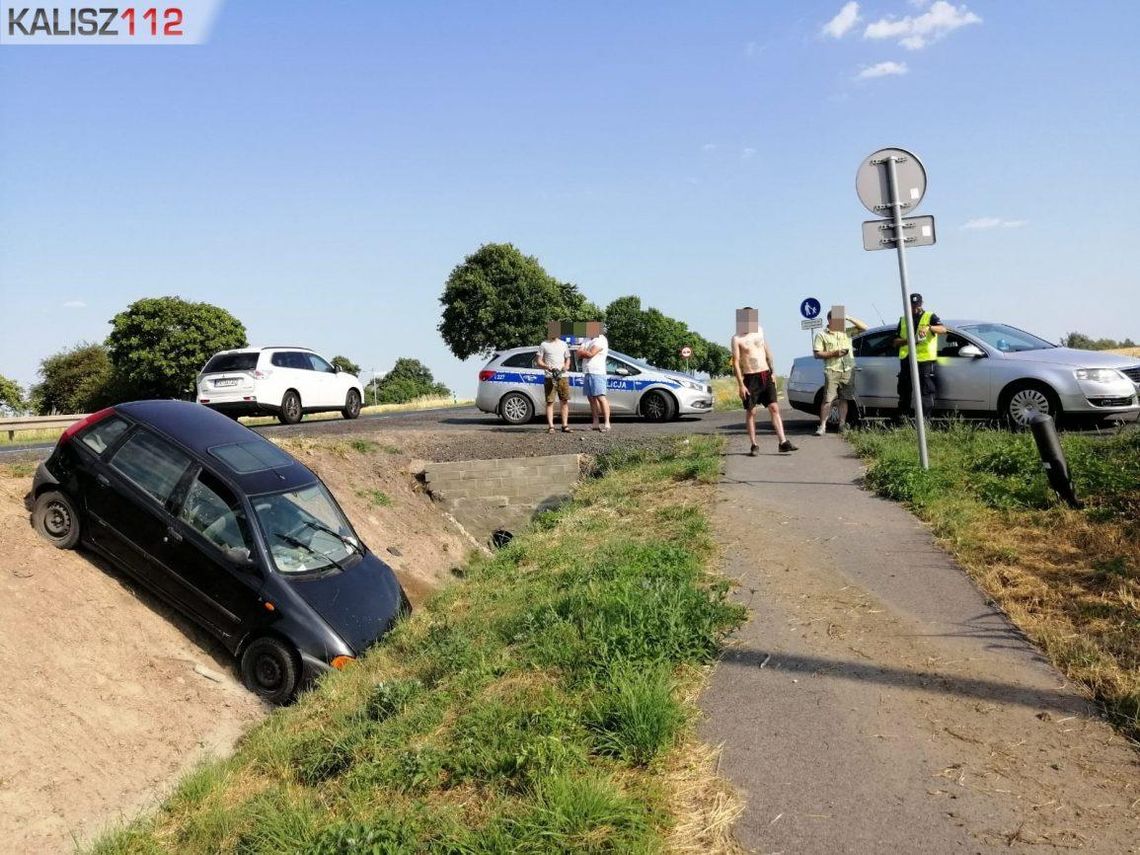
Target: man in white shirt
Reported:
[(554, 360), (594, 353)]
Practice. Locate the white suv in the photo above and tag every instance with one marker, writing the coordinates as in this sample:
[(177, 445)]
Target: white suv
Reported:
[(286, 382)]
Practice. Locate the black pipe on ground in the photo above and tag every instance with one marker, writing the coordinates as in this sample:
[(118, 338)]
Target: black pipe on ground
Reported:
[(1053, 458)]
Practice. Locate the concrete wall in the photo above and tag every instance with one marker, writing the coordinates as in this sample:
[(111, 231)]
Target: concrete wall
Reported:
[(485, 495)]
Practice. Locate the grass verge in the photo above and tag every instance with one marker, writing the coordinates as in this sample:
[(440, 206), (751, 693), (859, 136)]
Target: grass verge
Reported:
[(543, 704), (1069, 578)]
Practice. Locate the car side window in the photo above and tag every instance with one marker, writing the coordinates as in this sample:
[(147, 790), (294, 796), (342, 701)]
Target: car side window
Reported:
[(152, 464), (212, 510), (102, 435), (280, 360), (319, 364), (612, 366), (521, 360), (876, 344), (951, 344)]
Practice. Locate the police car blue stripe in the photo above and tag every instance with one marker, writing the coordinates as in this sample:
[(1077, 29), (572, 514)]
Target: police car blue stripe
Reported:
[(620, 384)]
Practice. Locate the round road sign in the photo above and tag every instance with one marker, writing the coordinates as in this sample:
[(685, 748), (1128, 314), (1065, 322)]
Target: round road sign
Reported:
[(810, 308), (874, 188), (686, 352)]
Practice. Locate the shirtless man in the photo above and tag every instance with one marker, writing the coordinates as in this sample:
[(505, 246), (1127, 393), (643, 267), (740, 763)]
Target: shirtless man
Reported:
[(752, 364)]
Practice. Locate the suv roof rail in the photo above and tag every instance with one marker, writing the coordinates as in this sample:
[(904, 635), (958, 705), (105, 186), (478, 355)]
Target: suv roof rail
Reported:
[(286, 347)]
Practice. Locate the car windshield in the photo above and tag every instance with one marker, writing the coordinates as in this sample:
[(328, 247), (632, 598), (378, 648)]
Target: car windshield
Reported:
[(1007, 339), (305, 530)]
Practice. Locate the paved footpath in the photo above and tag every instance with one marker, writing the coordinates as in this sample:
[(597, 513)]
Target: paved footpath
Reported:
[(875, 701)]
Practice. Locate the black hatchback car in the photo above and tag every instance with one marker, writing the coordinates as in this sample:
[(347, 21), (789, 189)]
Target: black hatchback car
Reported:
[(228, 528)]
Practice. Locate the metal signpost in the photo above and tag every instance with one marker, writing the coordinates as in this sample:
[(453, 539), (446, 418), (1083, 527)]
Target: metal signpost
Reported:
[(891, 182), (686, 352), (810, 308)]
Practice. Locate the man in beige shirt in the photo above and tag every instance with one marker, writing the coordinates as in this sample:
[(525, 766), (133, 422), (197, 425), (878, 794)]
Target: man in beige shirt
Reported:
[(752, 363), (833, 346)]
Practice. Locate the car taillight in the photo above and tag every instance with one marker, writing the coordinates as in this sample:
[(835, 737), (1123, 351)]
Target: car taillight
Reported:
[(85, 423), (261, 375), (486, 374)]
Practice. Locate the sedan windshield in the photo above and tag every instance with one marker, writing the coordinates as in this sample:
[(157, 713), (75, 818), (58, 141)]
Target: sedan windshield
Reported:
[(1006, 339), (305, 530)]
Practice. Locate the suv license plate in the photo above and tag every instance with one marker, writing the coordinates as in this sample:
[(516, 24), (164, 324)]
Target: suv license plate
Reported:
[(227, 382)]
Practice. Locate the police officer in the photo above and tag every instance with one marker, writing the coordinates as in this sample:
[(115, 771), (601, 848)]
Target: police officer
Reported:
[(927, 327)]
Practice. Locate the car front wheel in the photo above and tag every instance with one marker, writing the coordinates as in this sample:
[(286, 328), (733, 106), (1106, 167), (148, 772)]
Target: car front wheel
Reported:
[(290, 408), (657, 407), (54, 517), (269, 670), (1024, 400), (516, 408), (351, 405)]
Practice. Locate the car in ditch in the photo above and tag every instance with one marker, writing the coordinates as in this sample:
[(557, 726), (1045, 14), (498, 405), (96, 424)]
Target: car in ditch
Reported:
[(988, 369), (286, 382), (228, 528), (511, 387)]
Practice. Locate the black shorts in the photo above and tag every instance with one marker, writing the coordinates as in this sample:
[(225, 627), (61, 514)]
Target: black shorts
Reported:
[(761, 390)]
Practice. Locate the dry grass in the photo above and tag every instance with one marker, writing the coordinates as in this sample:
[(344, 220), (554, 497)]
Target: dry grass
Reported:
[(1127, 351)]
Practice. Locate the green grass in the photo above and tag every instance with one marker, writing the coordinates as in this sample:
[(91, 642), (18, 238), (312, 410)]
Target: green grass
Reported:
[(1069, 578), (536, 706)]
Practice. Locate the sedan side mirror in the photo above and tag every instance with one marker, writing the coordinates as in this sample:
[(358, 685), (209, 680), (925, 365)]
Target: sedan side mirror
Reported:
[(622, 372), (239, 555), (971, 351)]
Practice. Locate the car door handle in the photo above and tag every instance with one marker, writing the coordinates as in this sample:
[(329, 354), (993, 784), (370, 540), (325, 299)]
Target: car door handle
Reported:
[(103, 480), (172, 536)]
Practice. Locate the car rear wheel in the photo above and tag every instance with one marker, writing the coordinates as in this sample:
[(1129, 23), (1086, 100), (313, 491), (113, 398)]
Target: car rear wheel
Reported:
[(516, 408), (657, 407), (54, 517), (269, 669), (290, 408), (1025, 399), (351, 405)]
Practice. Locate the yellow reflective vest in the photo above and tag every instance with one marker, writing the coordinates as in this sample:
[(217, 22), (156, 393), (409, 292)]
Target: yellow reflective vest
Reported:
[(926, 349)]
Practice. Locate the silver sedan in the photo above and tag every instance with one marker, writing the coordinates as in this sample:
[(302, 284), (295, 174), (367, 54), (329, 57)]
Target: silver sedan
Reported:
[(986, 368)]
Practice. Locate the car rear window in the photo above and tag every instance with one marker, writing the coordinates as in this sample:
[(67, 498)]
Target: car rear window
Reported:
[(520, 360), (222, 362), (253, 456)]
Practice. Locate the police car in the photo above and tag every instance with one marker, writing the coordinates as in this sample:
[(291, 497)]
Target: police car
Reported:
[(511, 387)]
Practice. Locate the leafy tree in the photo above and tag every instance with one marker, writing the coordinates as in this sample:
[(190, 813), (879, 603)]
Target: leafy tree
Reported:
[(652, 335), (346, 365), (11, 396), (409, 379), (500, 298), (78, 380), (159, 344), (1084, 342)]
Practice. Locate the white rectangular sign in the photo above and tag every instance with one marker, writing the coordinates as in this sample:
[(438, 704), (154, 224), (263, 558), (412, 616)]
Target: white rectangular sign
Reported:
[(811, 324), (880, 234)]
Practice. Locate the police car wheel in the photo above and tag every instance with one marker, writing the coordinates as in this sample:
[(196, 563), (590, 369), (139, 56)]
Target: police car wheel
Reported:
[(516, 408), (657, 407)]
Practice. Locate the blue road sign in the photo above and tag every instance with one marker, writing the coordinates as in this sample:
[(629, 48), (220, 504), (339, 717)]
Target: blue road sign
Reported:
[(810, 308)]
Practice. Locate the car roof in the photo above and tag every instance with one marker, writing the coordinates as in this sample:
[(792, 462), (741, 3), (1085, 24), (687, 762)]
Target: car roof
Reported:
[(268, 347), (532, 348), (199, 429), (950, 322)]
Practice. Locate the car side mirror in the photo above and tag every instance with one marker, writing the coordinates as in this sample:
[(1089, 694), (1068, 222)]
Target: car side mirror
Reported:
[(971, 351), (239, 555), (622, 372)]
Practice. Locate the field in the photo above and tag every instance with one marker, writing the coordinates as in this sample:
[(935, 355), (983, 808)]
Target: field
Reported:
[(541, 704), (1069, 578)]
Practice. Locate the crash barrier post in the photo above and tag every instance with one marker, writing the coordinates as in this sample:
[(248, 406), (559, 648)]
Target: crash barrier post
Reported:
[(1053, 458)]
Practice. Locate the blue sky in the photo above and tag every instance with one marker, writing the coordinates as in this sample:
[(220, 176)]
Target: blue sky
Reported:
[(318, 169)]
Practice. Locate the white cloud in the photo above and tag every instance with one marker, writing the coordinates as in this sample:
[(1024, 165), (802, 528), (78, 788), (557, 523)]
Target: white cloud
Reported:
[(882, 69), (75, 304), (842, 23), (993, 223), (917, 32)]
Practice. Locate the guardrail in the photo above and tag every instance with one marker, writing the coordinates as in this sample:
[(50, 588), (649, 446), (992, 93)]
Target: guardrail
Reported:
[(22, 423)]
